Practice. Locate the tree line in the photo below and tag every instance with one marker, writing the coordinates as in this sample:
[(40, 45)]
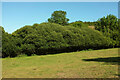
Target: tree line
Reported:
[(57, 35)]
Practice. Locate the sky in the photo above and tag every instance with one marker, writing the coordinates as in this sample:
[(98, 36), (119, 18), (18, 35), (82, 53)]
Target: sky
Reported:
[(18, 14)]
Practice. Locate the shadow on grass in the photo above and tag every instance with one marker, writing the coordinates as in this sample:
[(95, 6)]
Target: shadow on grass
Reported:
[(108, 60), (111, 60), (118, 75)]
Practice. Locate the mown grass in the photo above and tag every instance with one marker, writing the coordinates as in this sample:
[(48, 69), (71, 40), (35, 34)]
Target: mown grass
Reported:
[(82, 64)]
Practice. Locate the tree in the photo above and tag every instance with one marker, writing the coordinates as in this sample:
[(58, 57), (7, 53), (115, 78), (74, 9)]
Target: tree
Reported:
[(109, 26), (110, 23), (59, 17)]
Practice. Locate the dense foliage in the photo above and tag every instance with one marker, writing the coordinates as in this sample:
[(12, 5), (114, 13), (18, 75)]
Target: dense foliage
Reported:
[(90, 23), (109, 26), (59, 17), (10, 45), (60, 36), (79, 24), (48, 38), (1, 28)]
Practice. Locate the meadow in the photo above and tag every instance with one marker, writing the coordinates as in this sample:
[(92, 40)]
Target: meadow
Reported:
[(81, 64)]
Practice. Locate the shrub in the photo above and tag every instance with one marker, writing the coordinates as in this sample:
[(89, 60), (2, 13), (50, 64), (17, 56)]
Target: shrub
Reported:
[(10, 47), (48, 38), (78, 24), (110, 28), (28, 49)]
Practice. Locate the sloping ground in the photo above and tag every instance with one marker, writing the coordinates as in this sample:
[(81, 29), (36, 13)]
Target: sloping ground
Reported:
[(82, 64), (92, 27)]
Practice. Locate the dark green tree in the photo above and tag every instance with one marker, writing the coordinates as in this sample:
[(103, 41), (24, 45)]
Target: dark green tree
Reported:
[(59, 17), (109, 26)]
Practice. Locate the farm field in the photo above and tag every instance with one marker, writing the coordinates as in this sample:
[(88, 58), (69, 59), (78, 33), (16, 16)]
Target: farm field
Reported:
[(82, 64)]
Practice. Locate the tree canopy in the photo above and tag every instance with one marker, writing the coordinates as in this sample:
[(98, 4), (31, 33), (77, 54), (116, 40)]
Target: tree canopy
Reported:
[(58, 36), (59, 17), (109, 26)]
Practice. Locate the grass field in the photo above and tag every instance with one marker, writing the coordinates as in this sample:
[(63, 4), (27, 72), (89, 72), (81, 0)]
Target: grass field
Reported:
[(82, 64)]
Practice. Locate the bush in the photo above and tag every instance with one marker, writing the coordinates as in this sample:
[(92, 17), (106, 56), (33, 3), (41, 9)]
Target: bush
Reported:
[(28, 49), (110, 28), (79, 24), (10, 45), (48, 38)]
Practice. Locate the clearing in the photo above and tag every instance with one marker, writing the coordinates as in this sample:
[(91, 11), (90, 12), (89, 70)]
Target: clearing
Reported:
[(83, 64)]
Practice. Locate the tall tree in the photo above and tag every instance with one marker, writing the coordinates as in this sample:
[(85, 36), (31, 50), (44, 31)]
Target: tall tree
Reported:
[(59, 17), (109, 26)]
